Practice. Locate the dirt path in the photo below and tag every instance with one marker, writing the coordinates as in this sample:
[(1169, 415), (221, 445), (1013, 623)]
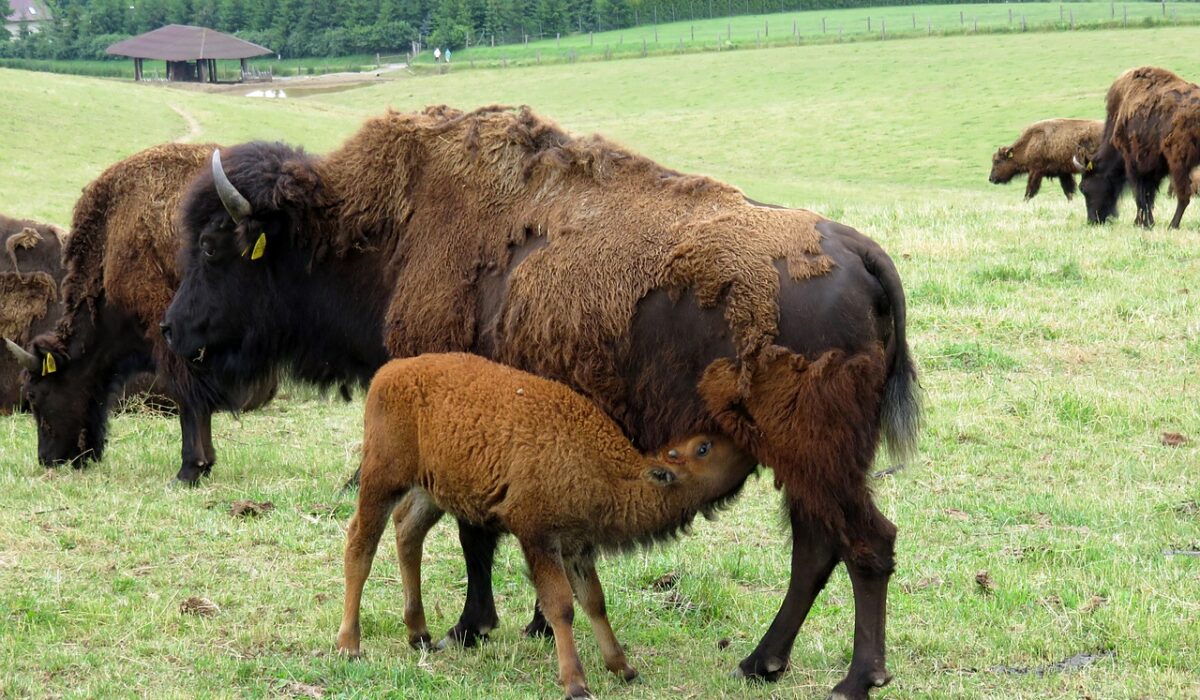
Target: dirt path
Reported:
[(194, 128)]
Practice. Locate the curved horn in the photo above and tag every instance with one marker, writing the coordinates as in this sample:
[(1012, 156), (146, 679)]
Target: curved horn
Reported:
[(24, 358), (1080, 167), (237, 205)]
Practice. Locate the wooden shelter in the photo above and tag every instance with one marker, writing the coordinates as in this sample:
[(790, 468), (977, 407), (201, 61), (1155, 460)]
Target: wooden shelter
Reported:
[(191, 53)]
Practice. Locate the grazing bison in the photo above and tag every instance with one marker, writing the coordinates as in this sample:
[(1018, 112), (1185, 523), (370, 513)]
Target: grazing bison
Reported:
[(30, 273), (120, 274), (1152, 130), (528, 455), (670, 300), (1047, 149)]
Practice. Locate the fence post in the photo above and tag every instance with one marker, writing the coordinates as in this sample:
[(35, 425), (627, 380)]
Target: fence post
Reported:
[(868, 23), (928, 27), (643, 46), (822, 25), (794, 30), (656, 35), (976, 29), (1164, 6), (591, 39), (1022, 22), (693, 33), (557, 39), (1010, 16), (914, 20), (1072, 19), (961, 20), (883, 28), (839, 33), (766, 28), (1125, 13), (1112, 9)]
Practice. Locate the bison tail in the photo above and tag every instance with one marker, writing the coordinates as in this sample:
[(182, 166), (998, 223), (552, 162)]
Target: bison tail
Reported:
[(900, 414)]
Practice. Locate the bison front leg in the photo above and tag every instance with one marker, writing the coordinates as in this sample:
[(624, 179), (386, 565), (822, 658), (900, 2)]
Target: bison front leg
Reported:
[(479, 612), (1033, 185), (197, 454), (1068, 185)]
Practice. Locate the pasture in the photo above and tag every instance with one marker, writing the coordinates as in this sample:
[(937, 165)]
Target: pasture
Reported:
[(1040, 529)]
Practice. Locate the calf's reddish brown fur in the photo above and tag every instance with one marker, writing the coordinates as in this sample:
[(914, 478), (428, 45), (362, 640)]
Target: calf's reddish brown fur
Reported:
[(511, 451), (1047, 149)]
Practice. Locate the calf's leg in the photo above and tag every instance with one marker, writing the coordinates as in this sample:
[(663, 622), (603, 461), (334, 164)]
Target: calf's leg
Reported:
[(414, 516), (554, 594), (586, 584), (362, 539)]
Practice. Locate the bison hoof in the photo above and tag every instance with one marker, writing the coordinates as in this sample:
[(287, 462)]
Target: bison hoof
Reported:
[(191, 473), (539, 628), (421, 642), (858, 687), (457, 637), (760, 669), (578, 691)]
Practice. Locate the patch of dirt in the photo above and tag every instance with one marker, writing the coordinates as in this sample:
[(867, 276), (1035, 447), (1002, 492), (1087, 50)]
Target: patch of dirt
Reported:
[(194, 129), (1173, 439), (984, 581), (250, 509), (1073, 663), (665, 582), (201, 607), (296, 689), (957, 514)]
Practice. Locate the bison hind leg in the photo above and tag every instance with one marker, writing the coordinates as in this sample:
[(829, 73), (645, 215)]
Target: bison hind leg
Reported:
[(1068, 185), (816, 423)]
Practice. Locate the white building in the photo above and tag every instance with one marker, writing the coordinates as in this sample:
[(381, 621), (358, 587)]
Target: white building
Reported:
[(32, 13)]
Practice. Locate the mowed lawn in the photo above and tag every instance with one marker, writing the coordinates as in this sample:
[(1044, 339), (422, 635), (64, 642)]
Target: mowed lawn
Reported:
[(1038, 529)]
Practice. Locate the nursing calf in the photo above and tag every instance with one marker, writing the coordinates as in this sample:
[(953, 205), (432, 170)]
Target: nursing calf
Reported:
[(513, 452)]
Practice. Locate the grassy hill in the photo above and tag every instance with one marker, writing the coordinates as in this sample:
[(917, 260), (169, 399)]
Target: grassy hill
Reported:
[(1054, 356)]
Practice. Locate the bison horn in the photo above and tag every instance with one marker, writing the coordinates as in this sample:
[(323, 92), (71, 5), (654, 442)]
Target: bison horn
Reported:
[(24, 358), (237, 205), (1079, 166)]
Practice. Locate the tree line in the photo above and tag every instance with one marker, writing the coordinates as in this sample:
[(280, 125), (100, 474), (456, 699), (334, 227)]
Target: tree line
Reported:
[(299, 28)]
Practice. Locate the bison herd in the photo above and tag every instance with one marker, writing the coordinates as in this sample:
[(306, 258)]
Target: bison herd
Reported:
[(600, 348), (1151, 131)]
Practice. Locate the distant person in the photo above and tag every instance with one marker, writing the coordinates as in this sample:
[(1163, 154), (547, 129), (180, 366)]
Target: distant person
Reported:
[(437, 55), (447, 55)]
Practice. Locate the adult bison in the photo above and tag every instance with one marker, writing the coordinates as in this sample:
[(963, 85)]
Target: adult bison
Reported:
[(670, 300), (30, 272), (1046, 149), (1152, 130), (120, 274)]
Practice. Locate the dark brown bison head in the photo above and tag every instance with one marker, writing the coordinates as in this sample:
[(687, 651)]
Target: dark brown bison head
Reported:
[(1102, 181), (1004, 166), (255, 294), (70, 387)]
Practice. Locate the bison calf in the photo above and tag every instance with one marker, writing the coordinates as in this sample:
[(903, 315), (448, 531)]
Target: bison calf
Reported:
[(516, 453), (1047, 149)]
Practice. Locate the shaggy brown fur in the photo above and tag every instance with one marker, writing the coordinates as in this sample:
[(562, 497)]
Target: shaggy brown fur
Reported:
[(30, 271), (1154, 123), (121, 273), (1047, 149), (496, 232), (506, 449), (1195, 184)]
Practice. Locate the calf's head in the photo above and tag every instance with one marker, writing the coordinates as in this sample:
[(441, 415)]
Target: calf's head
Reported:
[(701, 469), (1004, 166)]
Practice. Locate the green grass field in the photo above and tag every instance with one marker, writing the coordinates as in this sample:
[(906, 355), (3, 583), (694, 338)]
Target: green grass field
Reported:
[(1054, 356)]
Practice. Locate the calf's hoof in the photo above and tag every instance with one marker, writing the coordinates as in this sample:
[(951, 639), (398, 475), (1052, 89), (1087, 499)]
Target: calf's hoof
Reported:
[(755, 668), (627, 674), (578, 691)]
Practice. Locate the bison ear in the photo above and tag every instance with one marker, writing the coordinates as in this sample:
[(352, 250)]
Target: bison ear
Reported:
[(1009, 153)]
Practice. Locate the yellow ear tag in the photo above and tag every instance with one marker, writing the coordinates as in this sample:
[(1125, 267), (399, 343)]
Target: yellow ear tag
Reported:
[(1089, 166), (260, 246), (48, 366)]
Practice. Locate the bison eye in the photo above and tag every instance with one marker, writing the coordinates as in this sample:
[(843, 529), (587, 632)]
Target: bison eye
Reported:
[(703, 449)]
